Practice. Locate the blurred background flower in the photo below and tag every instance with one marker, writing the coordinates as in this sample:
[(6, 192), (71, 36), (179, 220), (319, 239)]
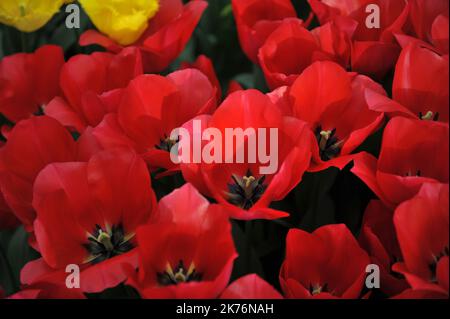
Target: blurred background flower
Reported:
[(122, 20), (28, 15)]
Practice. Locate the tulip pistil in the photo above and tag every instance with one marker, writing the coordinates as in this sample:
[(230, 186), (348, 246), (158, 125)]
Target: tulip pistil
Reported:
[(329, 144), (106, 244), (245, 191), (179, 274)]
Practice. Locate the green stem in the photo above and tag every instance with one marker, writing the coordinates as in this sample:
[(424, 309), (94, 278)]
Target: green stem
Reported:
[(10, 273)]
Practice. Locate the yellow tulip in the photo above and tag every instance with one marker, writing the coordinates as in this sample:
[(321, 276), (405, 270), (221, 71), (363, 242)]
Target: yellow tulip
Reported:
[(124, 21), (28, 15)]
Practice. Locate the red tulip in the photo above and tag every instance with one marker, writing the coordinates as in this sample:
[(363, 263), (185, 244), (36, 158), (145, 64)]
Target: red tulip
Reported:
[(205, 65), (287, 52), (151, 107), (423, 15), (378, 238), (332, 102), (413, 152), (250, 287), (256, 20), (87, 215), (48, 291), (90, 84), (439, 33), (370, 45), (422, 229), (31, 145), (291, 48), (420, 88), (167, 34), (327, 263), (29, 81), (7, 219), (188, 251), (421, 82), (242, 186)]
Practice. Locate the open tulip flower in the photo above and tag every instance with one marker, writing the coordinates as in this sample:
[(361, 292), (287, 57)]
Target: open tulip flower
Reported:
[(404, 164), (423, 220), (422, 97), (187, 252), (340, 118), (259, 150), (244, 188), (151, 107), (316, 265), (96, 207)]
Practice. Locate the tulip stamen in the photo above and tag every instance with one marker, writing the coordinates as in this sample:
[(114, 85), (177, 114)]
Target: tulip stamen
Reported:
[(317, 289), (166, 143), (429, 116), (245, 191), (105, 244), (180, 274), (329, 144)]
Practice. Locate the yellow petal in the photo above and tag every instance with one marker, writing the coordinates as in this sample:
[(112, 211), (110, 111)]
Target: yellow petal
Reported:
[(124, 21), (28, 15)]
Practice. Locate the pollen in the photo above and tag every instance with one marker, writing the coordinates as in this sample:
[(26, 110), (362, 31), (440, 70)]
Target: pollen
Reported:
[(329, 144)]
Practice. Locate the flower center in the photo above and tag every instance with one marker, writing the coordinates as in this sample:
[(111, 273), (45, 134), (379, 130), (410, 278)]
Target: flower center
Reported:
[(179, 274), (166, 143), (434, 263), (317, 289), (329, 145), (103, 244), (245, 191), (429, 116)]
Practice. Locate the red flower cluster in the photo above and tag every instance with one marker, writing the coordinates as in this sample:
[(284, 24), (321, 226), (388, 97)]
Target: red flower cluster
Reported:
[(87, 136)]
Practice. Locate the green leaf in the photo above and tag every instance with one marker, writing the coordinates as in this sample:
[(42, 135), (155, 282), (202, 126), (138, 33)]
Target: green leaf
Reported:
[(19, 253), (245, 79), (7, 280)]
